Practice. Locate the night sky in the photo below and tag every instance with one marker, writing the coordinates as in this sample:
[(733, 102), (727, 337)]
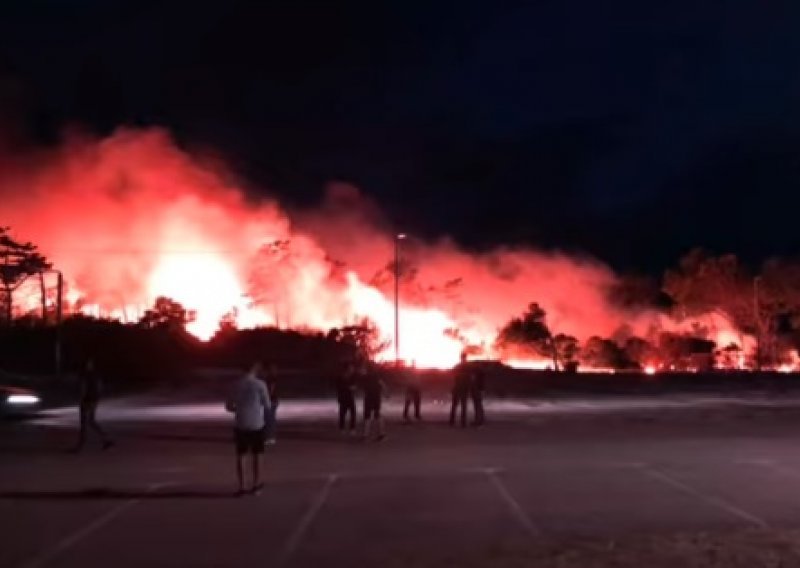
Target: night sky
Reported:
[(616, 128)]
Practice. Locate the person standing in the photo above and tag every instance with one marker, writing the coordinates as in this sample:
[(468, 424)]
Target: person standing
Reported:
[(477, 387), (90, 390), (346, 397), (249, 402), (271, 415), (461, 386), (373, 394), (413, 394)]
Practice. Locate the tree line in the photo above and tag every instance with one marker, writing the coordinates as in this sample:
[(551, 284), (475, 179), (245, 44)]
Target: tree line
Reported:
[(764, 305)]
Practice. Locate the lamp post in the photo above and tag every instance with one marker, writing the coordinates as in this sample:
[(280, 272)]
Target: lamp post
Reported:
[(757, 319), (397, 238), (59, 316)]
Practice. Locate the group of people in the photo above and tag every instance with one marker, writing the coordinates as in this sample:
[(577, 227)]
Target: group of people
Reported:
[(468, 384), (254, 402), (359, 376)]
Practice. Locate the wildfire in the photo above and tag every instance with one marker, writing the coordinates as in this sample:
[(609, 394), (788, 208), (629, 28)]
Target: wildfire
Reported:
[(205, 283), (533, 364), (132, 217)]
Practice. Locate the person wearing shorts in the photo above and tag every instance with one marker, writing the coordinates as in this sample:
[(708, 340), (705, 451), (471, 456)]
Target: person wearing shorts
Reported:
[(248, 442), (249, 402)]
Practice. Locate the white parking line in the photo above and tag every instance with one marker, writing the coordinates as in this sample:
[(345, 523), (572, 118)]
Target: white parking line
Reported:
[(717, 502), (293, 542), (776, 467), (88, 530), (513, 505)]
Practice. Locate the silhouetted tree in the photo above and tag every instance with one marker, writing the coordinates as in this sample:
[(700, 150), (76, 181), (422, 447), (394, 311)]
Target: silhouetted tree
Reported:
[(683, 351), (411, 289), (272, 268), (779, 308), (566, 348), (637, 292), (227, 323), (704, 284), (530, 332), (729, 357), (18, 262), (640, 351), (168, 314), (604, 353), (780, 285), (364, 339)]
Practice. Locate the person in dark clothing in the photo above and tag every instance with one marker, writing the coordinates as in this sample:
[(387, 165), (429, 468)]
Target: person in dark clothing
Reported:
[(91, 387), (461, 387), (477, 387), (270, 417), (373, 395), (413, 394), (345, 396)]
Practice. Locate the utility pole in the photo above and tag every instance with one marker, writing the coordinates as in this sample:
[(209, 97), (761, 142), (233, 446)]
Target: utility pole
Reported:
[(59, 321), (757, 319), (59, 315), (397, 238)]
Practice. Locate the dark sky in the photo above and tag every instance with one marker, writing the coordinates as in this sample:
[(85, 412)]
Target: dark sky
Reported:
[(617, 128)]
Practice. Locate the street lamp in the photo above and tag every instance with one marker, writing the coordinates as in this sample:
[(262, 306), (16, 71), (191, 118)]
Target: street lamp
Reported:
[(397, 238), (757, 319), (59, 315)]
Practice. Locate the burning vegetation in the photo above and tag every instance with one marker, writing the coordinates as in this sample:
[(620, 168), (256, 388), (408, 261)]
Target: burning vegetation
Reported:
[(151, 235)]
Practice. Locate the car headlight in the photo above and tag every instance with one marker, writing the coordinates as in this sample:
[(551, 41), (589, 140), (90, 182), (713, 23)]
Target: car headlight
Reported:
[(22, 399)]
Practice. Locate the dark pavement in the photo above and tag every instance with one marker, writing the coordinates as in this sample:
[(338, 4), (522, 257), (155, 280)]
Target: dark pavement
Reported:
[(428, 495)]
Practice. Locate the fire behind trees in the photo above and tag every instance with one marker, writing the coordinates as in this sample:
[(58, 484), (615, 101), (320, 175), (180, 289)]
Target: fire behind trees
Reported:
[(18, 262), (133, 217), (764, 307)]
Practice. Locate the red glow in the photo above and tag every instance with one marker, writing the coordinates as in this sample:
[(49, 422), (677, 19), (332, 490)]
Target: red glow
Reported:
[(132, 217)]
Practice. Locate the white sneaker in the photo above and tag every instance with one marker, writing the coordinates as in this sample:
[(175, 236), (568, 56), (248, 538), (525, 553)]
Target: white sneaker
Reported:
[(270, 442)]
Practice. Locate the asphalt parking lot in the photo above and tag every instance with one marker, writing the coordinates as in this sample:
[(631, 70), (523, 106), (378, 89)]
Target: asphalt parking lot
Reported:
[(533, 478)]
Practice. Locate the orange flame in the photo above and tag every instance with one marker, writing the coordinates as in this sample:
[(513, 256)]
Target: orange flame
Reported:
[(132, 217)]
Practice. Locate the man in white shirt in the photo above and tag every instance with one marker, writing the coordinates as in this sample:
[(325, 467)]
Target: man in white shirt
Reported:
[(249, 401)]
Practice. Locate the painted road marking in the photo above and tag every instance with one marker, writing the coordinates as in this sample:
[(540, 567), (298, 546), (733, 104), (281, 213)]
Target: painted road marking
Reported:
[(294, 540), (86, 531), (712, 500), (514, 507)]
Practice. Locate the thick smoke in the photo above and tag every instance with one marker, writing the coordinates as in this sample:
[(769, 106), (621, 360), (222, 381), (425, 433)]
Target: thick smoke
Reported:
[(132, 217)]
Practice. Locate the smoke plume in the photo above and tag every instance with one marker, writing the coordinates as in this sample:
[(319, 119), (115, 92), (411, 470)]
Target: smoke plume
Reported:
[(132, 217)]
